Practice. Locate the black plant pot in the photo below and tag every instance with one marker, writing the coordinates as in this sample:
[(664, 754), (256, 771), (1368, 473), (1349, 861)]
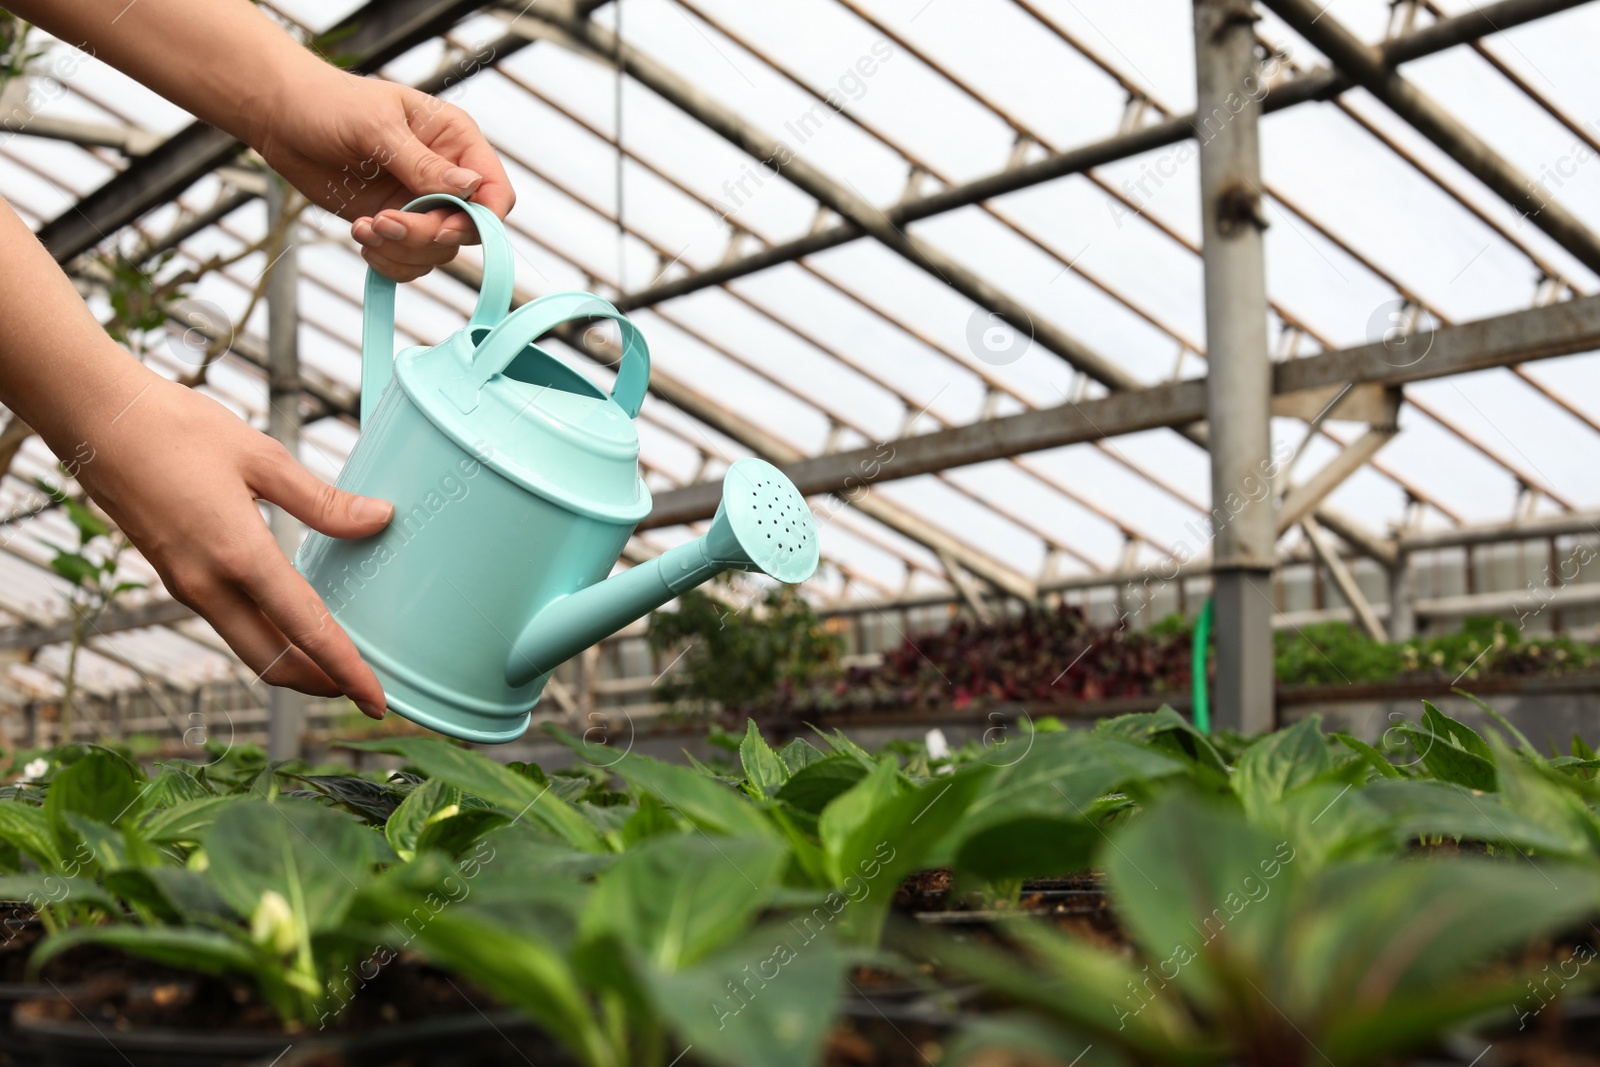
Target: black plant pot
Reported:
[(471, 1039)]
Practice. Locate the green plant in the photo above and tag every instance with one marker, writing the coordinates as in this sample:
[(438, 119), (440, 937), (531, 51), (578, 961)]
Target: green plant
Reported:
[(90, 570), (1248, 955), (734, 658)]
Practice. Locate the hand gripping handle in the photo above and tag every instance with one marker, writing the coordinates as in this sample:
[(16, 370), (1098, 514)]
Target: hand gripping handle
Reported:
[(377, 325)]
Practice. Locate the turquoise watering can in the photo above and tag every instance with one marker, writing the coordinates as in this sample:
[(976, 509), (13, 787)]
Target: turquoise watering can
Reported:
[(516, 485)]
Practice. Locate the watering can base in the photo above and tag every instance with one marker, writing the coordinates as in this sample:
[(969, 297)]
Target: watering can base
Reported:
[(452, 720), (420, 701)]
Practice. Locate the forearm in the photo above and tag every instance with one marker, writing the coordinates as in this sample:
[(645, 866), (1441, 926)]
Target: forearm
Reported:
[(222, 61), (58, 370)]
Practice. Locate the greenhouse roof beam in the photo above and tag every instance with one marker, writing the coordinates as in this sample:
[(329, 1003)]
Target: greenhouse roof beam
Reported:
[(1024, 131), (1314, 85), (1520, 336), (1366, 66)]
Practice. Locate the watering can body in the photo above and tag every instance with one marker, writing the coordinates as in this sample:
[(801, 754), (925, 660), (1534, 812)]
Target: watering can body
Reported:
[(516, 486)]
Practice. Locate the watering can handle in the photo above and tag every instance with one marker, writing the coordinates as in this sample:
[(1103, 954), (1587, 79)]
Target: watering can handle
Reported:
[(536, 318), (377, 325)]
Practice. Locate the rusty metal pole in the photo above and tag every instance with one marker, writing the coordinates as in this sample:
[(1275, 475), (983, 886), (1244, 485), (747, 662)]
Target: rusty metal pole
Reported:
[(1239, 393)]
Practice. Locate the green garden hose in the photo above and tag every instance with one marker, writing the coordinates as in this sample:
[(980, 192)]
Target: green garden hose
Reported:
[(1202, 645)]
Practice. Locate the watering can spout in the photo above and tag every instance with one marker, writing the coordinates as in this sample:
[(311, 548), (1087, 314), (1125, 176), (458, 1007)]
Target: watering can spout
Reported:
[(762, 524)]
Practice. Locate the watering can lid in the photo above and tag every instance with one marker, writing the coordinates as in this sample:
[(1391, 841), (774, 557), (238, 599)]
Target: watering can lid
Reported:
[(533, 419)]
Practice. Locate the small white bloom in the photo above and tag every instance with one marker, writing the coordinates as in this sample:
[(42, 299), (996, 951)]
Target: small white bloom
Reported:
[(35, 769), (938, 747), (273, 925)]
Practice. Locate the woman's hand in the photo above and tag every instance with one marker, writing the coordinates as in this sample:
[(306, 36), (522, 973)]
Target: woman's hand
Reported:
[(363, 149), (180, 475)]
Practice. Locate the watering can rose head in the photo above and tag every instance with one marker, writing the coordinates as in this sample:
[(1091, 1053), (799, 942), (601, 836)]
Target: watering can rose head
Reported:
[(516, 486)]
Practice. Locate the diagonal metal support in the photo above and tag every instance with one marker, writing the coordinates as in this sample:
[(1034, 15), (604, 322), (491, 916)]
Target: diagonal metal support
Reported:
[(1302, 499), (966, 587), (1346, 581)]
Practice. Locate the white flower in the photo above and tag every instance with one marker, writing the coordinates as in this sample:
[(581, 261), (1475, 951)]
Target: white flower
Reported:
[(36, 769), (938, 747), (273, 925)]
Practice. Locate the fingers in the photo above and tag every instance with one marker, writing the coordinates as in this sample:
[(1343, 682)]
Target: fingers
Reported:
[(261, 645), (405, 245), (319, 505), (446, 153), (289, 603)]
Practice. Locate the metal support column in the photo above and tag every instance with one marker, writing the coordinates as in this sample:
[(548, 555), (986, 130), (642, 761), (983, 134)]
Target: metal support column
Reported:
[(1239, 394), (1402, 598), (286, 709)]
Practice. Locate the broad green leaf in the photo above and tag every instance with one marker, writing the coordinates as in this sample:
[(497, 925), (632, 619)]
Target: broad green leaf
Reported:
[(454, 834), (798, 754), (1374, 758), (40, 891), (676, 899), (1463, 735), (649, 819), (1549, 802), (814, 785), (424, 802), (1330, 821), (315, 858), (174, 784), (769, 999), (1280, 763), (1373, 943), (99, 786), (1422, 808), (1167, 730), (372, 801), (521, 968), (1448, 763), (1056, 780), (186, 822), (881, 830), (495, 782), (708, 804), (1087, 989), (1202, 888), (1030, 846), (762, 768), (28, 829), (173, 894)]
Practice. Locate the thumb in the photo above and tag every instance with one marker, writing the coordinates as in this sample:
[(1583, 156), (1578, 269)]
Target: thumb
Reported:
[(422, 170), (324, 508)]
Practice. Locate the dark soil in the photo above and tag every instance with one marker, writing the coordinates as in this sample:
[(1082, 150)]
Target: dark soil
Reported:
[(127, 993)]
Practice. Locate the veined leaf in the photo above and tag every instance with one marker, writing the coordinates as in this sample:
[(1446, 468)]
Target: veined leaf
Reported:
[(676, 899), (814, 785), (1448, 763), (1278, 764), (28, 829), (708, 804), (880, 831), (763, 770), (495, 782), (313, 857), (423, 803), (1462, 734), (186, 822)]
